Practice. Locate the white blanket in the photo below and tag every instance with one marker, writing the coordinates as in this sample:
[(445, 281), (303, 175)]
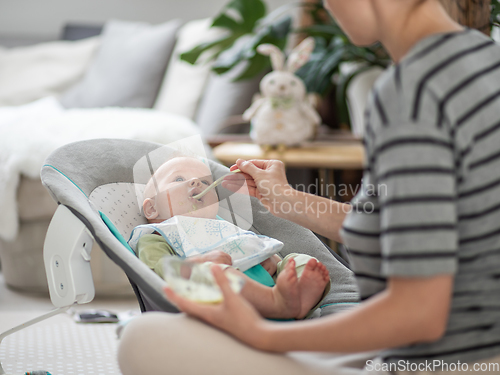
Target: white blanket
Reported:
[(29, 133)]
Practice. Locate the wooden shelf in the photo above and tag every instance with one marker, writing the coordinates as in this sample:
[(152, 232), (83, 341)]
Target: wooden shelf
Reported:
[(331, 155)]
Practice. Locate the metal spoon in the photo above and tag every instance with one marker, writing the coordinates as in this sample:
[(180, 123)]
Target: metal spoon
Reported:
[(214, 184)]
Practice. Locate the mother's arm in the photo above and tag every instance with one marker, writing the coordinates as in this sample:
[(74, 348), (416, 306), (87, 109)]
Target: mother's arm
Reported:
[(266, 180), (410, 310)]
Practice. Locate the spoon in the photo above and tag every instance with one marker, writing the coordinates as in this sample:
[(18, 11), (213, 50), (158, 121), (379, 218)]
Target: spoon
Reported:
[(214, 184)]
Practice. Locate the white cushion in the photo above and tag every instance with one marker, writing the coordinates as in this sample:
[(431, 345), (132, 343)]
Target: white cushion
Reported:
[(184, 83), (33, 72)]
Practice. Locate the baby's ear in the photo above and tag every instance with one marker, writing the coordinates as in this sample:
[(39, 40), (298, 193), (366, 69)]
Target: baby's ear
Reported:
[(149, 208)]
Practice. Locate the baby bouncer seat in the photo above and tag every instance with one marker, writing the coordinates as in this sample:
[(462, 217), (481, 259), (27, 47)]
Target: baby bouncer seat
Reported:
[(94, 185)]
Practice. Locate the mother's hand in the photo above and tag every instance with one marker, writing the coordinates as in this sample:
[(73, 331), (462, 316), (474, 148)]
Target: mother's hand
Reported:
[(266, 180), (234, 314)]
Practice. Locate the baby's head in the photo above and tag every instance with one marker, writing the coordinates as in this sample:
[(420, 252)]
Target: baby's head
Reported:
[(170, 191)]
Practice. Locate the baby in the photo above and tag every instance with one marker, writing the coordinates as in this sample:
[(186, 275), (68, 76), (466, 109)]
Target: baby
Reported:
[(301, 281)]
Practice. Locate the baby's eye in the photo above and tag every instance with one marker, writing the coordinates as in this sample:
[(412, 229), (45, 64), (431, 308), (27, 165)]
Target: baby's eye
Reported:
[(271, 82), (293, 83), (205, 182), (179, 179)]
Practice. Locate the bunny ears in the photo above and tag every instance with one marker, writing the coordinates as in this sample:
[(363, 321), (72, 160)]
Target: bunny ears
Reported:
[(297, 58)]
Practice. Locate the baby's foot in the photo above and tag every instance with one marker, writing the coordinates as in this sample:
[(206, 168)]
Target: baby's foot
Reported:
[(312, 283), (287, 292)]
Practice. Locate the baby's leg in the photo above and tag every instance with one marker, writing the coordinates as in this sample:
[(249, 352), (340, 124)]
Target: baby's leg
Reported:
[(313, 279), (276, 302), (312, 283), (300, 285)]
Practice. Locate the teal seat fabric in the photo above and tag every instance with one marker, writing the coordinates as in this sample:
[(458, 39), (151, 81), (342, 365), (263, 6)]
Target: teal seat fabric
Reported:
[(115, 232), (259, 274)]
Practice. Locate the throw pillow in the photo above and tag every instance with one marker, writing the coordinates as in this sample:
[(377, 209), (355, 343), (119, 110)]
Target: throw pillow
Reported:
[(129, 67), (184, 83), (224, 98)]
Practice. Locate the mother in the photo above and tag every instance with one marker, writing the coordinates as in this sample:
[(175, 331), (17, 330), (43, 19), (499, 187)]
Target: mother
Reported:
[(426, 258)]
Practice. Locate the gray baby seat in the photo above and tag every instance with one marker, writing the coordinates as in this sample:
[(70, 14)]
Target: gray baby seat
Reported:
[(93, 183)]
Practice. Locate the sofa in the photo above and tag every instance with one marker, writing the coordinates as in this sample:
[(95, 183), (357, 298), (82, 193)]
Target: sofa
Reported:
[(109, 74)]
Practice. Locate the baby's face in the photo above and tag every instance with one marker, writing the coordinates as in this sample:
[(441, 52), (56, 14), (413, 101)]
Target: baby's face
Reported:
[(178, 180)]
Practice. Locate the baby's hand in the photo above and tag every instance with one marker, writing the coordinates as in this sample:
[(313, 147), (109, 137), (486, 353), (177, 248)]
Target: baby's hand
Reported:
[(214, 256), (271, 264)]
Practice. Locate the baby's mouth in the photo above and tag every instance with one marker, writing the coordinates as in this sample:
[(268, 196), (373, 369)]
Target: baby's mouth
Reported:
[(196, 192)]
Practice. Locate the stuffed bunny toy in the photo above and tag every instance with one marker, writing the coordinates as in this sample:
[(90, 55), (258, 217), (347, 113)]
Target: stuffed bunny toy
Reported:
[(283, 115)]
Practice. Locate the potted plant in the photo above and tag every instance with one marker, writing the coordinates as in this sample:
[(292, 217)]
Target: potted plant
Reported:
[(247, 25)]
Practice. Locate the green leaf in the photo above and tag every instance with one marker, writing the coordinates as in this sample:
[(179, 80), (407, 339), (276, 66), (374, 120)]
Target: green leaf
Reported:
[(495, 13), (308, 74), (250, 11), (319, 44), (337, 42), (226, 22), (317, 13), (323, 63), (192, 55), (281, 28), (231, 56), (256, 65), (331, 64), (322, 30), (245, 49), (222, 69)]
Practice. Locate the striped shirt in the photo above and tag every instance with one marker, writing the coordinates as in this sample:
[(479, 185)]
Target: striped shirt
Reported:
[(430, 198)]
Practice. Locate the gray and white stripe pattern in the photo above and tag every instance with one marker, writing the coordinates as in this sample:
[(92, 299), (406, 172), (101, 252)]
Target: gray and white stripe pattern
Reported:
[(433, 155)]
